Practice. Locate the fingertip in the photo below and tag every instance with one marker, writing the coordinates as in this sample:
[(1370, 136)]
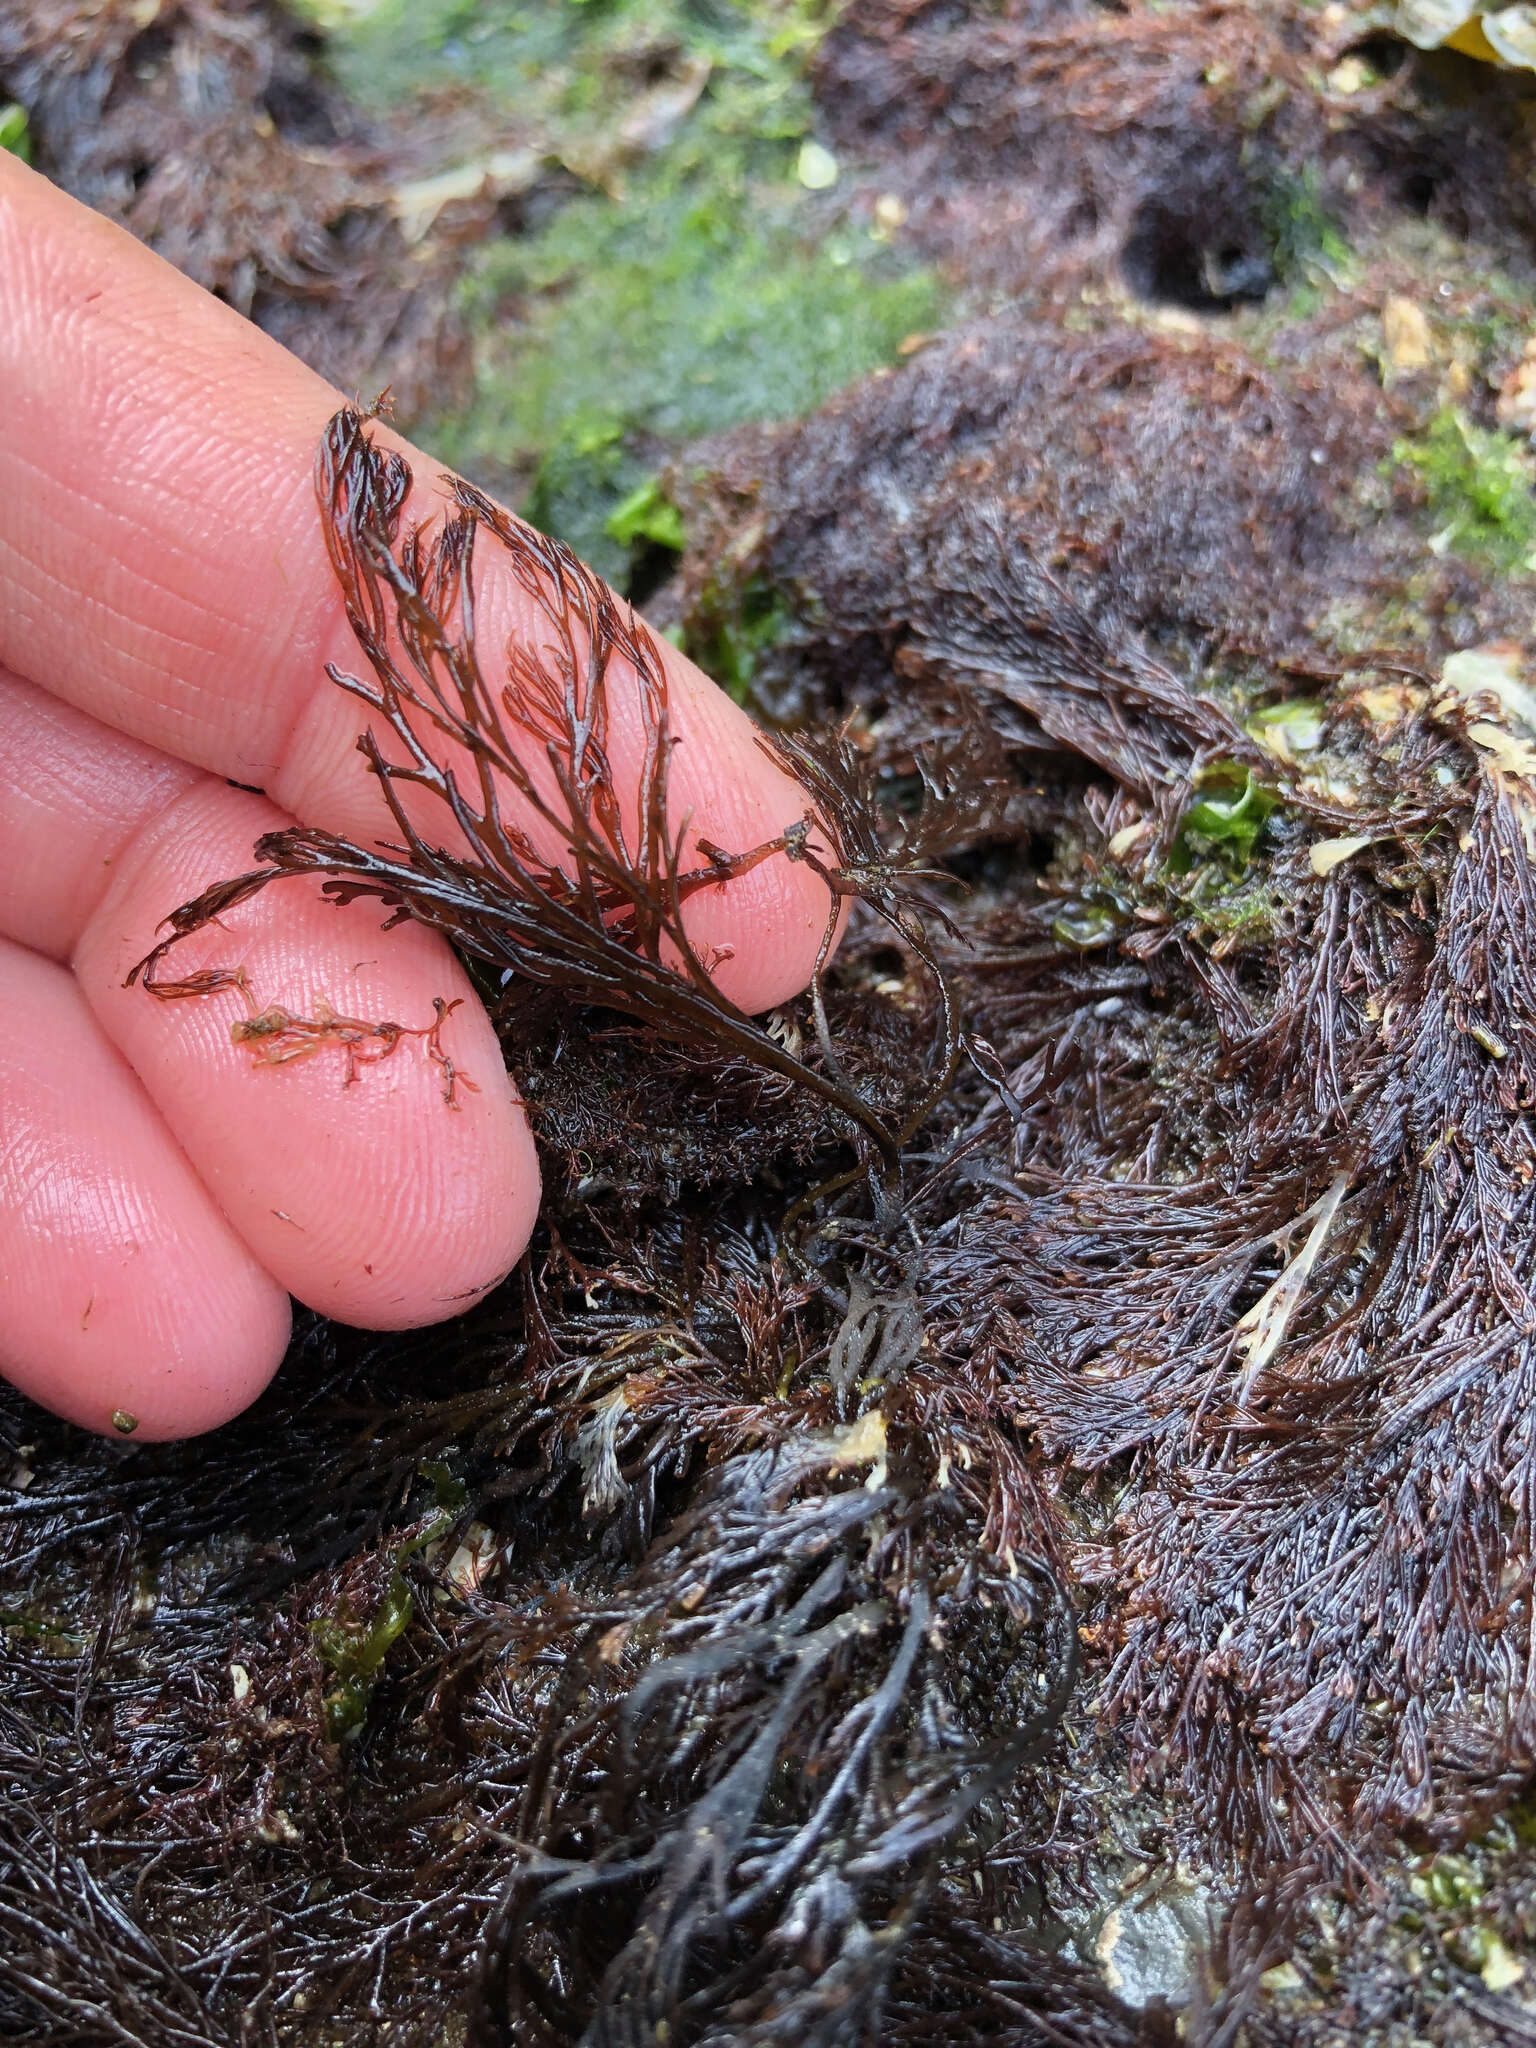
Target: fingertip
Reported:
[(129, 1306), (148, 1348), (390, 1185), (466, 1219), (763, 930), (224, 1361)]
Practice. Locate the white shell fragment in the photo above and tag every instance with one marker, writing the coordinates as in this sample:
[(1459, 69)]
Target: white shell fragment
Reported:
[(1506, 35)]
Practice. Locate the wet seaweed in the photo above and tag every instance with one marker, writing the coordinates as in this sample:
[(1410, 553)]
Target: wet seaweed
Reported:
[(772, 1867), (217, 135), (1208, 1276), (1244, 1254), (796, 1604), (767, 1783), (588, 896), (1204, 156)]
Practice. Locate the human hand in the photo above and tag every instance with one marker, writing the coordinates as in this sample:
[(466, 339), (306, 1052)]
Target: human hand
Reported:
[(166, 613)]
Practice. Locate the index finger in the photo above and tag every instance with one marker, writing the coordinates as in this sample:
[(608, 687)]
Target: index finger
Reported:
[(164, 569)]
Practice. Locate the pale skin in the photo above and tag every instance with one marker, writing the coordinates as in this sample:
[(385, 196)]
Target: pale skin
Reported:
[(172, 1172)]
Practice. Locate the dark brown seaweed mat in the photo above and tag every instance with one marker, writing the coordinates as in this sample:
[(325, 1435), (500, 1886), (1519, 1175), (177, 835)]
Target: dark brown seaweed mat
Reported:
[(1044, 141), (210, 129), (906, 1504)]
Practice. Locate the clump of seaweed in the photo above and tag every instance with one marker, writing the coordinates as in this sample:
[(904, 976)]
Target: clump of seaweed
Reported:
[(748, 1758), (720, 1602), (215, 133), (1206, 155), (589, 894), (1193, 501), (744, 1749), (1248, 1261), (685, 1639)]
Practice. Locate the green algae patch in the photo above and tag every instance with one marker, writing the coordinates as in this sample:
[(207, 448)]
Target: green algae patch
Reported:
[(1290, 731), (735, 627), (647, 323), (353, 1645), (15, 131), (390, 53), (1478, 484), (1087, 927), (677, 274), (648, 515), (1308, 245)]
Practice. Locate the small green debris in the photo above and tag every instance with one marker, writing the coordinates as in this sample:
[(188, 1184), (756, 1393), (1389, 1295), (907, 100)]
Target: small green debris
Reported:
[(1086, 927), (1289, 730), (1328, 854), (585, 470), (353, 1647), (648, 515), (1491, 1043), (1519, 1820), (448, 1490), (733, 636), (1353, 73), (1306, 242), (1448, 1881), (124, 1423), (1478, 483), (1497, 1967), (15, 131), (1283, 1981), (41, 1628), (1225, 819), (1480, 1948)]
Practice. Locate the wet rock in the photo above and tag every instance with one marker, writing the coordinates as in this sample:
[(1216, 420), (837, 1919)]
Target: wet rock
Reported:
[(1150, 1947), (1172, 486)]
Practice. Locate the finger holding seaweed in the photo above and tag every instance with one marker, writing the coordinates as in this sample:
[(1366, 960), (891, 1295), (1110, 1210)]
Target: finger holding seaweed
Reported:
[(378, 1201), (534, 856)]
